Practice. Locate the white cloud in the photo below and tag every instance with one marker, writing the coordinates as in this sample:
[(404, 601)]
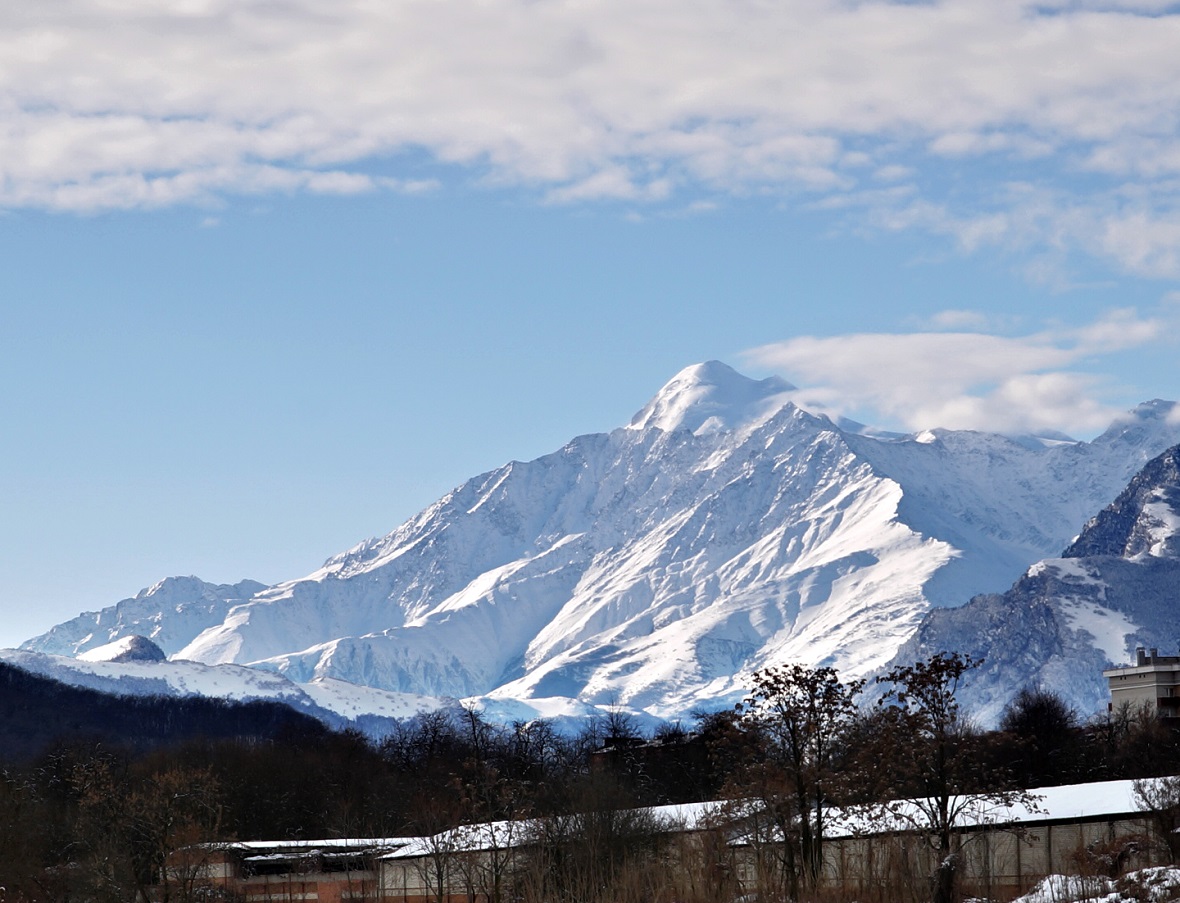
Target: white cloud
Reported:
[(126, 103), (1135, 227), (339, 183), (964, 380), (969, 144), (959, 319), (893, 173), (1118, 330), (613, 183), (1148, 243)]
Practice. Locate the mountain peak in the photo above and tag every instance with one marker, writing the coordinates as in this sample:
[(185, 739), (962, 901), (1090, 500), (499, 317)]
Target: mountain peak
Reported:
[(1157, 407), (711, 397), (133, 648), (1143, 520), (1143, 420)]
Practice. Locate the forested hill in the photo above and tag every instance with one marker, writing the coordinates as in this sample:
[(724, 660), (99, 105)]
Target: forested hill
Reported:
[(36, 712)]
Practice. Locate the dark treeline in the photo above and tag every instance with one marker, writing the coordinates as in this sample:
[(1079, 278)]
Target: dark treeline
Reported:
[(93, 816), (37, 712)]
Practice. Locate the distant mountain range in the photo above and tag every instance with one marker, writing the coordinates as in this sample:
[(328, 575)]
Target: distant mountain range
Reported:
[(656, 567)]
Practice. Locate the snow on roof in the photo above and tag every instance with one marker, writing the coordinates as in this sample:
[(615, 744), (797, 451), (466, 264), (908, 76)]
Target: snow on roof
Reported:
[(494, 835), (287, 847), (1086, 800), (689, 815), (1072, 801), (503, 835)]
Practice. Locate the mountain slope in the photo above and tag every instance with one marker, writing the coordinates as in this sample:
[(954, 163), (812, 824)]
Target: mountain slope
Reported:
[(171, 614), (656, 566), (1066, 619)]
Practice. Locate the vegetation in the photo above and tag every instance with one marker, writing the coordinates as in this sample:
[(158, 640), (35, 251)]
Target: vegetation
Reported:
[(801, 719), (934, 757), (92, 817)]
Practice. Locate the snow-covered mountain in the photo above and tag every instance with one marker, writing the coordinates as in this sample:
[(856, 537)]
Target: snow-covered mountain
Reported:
[(1116, 587), (725, 529), (170, 614)]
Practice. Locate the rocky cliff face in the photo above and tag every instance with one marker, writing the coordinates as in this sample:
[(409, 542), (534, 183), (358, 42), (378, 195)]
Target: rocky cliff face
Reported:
[(1142, 521)]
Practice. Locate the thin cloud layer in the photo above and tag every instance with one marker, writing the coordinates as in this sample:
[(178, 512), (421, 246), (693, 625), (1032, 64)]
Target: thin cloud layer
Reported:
[(141, 103), (964, 380)]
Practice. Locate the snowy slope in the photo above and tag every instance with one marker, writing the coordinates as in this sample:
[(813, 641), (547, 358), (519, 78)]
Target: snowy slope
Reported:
[(132, 648), (1116, 587), (723, 530)]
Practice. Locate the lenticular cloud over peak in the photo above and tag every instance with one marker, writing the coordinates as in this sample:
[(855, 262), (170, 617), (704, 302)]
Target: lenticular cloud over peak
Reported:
[(965, 380)]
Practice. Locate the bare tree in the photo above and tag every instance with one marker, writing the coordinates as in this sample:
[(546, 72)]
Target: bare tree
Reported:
[(803, 715), (1160, 798), (587, 854), (927, 750)]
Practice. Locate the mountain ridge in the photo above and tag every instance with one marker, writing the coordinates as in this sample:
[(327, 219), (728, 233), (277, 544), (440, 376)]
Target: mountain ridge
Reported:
[(1066, 619), (199, 605), (657, 568)]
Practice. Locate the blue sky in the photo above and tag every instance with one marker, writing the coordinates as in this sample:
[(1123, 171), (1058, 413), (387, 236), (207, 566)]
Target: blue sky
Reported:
[(273, 278)]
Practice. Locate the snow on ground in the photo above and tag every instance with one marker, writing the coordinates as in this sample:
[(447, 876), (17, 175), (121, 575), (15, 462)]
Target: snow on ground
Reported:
[(353, 700), (550, 708), (1070, 570), (1109, 628), (710, 398), (566, 715), (1154, 885), (128, 648), (658, 566), (180, 678), (237, 683), (1165, 523)]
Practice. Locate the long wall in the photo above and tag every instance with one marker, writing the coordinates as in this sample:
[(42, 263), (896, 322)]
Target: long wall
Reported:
[(996, 863)]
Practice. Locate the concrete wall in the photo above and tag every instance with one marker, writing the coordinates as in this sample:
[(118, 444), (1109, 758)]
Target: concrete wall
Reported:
[(995, 863)]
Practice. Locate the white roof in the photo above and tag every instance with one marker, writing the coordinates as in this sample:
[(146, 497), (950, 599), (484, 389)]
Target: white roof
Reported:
[(1072, 801), (335, 844), (509, 834)]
